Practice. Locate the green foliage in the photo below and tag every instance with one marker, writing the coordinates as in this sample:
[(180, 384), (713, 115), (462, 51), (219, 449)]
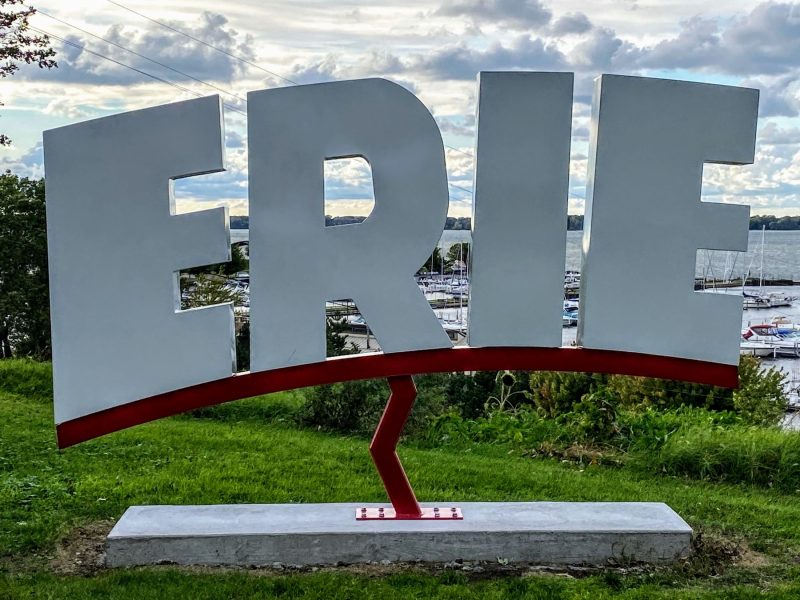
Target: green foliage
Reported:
[(760, 399), (594, 418), (357, 406), (24, 292), (766, 457), (662, 393), (771, 222), (470, 392), (241, 454), (458, 252), (525, 428), (433, 264), (350, 406), (27, 378), (19, 45), (335, 340), (236, 264), (555, 393), (208, 289)]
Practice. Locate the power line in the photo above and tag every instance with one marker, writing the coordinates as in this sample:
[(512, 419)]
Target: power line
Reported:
[(160, 64), (226, 53), (200, 41), (470, 154), (463, 189), (122, 64)]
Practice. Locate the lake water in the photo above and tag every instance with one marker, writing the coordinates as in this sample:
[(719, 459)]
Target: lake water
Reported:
[(781, 254), (781, 261)]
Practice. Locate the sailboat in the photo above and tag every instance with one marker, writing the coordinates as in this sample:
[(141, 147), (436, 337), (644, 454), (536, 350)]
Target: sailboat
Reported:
[(761, 299)]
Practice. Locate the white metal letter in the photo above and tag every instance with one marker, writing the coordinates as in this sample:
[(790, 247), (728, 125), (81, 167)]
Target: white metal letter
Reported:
[(296, 262), (519, 215), (114, 248), (644, 221)]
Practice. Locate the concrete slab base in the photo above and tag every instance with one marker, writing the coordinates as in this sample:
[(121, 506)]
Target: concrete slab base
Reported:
[(546, 533)]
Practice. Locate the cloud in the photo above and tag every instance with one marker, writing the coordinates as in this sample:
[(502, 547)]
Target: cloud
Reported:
[(765, 41), (333, 67), (602, 50), (461, 62), (29, 164), (570, 23), (774, 135), (518, 14), (78, 65), (779, 96)]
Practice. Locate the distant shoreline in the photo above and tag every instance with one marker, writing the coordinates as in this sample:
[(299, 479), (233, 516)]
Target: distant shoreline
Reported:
[(574, 222)]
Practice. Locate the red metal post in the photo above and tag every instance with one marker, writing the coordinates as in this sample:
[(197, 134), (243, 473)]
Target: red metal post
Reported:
[(384, 443)]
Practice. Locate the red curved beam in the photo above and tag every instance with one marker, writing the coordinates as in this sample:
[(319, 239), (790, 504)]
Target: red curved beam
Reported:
[(379, 365)]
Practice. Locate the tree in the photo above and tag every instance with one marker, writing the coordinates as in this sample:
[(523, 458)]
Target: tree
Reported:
[(209, 289), (433, 264), (236, 264), (24, 295), (458, 253), (17, 45)]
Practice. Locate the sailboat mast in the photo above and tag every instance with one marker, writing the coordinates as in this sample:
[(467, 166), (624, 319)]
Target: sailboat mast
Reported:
[(761, 271)]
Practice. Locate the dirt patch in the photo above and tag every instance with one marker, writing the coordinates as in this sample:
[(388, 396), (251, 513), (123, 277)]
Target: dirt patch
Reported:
[(713, 554), (82, 551)]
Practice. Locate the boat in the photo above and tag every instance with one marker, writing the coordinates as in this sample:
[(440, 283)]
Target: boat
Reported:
[(784, 340), (770, 300), (759, 349)]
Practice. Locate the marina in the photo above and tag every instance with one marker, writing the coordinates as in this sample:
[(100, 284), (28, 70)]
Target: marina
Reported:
[(770, 318)]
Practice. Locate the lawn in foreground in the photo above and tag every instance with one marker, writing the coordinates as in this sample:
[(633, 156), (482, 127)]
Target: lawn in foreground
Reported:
[(45, 494)]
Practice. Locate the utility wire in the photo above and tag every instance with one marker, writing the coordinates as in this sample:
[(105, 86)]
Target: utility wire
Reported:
[(193, 38), (463, 189), (160, 64), (200, 41), (122, 64), (234, 56)]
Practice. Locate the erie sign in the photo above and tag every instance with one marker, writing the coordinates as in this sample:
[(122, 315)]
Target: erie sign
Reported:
[(116, 243)]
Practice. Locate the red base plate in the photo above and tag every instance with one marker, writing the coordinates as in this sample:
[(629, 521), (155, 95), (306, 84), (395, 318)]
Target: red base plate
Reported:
[(450, 513)]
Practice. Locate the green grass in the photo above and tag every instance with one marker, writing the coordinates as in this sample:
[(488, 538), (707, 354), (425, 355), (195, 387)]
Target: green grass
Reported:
[(252, 452), (767, 457)]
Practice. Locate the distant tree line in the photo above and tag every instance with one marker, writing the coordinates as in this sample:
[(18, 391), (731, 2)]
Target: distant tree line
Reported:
[(774, 223), (574, 222)]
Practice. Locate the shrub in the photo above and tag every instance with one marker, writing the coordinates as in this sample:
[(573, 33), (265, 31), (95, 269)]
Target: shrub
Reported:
[(357, 406), (594, 418), (661, 393), (524, 427), (761, 397), (554, 393), (470, 392)]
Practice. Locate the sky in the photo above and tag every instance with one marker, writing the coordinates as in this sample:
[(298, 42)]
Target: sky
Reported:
[(433, 48)]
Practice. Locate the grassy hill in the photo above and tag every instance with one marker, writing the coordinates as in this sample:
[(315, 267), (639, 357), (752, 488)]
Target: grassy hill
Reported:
[(56, 506)]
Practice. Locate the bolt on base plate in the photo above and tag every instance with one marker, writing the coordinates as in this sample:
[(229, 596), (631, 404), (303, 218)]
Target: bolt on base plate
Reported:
[(450, 513)]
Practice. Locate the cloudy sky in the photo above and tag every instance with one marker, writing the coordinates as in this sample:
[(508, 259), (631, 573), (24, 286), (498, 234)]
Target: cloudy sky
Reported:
[(187, 48)]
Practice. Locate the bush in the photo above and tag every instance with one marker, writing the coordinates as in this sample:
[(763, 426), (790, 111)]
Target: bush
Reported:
[(555, 393), (470, 392), (661, 393), (524, 427), (357, 406), (760, 399), (594, 419), (767, 457)]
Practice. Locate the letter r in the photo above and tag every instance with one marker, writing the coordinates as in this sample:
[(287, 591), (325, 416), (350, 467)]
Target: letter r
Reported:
[(296, 262)]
